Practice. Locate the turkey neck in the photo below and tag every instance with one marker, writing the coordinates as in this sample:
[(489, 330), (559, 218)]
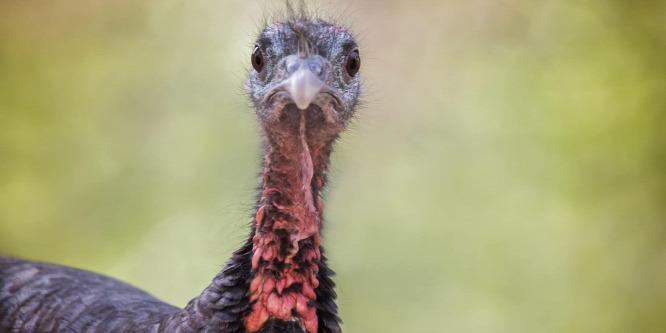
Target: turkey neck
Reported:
[(278, 280), (286, 254)]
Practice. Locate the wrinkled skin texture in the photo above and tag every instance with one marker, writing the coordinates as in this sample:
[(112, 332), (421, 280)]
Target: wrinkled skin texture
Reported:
[(278, 280)]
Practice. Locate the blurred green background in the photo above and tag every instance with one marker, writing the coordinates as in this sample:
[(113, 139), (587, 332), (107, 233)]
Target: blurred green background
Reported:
[(507, 172)]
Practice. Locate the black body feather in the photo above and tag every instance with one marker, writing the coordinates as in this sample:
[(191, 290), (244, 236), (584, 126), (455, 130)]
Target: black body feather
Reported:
[(40, 297)]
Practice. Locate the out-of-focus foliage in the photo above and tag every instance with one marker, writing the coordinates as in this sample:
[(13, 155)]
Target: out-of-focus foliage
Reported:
[(507, 173)]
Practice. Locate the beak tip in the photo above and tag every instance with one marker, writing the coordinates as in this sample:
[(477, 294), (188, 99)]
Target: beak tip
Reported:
[(303, 88)]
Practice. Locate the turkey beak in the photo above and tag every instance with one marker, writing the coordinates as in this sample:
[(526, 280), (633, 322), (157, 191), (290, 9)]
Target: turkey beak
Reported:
[(303, 85)]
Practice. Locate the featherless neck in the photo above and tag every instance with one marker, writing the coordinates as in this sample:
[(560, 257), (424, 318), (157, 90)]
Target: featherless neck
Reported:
[(286, 242)]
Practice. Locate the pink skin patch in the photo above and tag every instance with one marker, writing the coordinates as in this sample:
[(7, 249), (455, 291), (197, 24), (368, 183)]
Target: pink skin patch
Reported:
[(286, 244), (273, 29), (338, 29)]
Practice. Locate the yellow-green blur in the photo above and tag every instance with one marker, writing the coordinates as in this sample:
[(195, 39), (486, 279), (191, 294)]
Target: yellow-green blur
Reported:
[(506, 173)]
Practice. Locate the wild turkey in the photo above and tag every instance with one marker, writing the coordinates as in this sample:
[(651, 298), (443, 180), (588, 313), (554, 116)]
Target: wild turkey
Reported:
[(304, 86)]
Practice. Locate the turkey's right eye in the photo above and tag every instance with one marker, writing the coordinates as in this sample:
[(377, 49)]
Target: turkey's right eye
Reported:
[(257, 59)]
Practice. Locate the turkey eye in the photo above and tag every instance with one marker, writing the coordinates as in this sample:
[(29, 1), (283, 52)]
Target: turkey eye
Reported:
[(353, 62), (257, 59)]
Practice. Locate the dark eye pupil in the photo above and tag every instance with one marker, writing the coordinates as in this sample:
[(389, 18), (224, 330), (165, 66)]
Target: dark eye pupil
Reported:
[(353, 63), (257, 59)]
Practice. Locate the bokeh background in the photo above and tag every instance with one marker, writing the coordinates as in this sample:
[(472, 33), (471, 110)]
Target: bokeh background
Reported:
[(507, 172)]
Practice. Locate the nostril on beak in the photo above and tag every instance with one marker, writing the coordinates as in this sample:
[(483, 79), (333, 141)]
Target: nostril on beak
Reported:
[(316, 67)]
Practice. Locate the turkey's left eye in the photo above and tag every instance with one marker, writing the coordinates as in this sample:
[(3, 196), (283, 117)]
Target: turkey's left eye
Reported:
[(353, 62), (257, 59)]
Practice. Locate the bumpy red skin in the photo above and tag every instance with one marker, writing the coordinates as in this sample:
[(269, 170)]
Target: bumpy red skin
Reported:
[(286, 244)]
